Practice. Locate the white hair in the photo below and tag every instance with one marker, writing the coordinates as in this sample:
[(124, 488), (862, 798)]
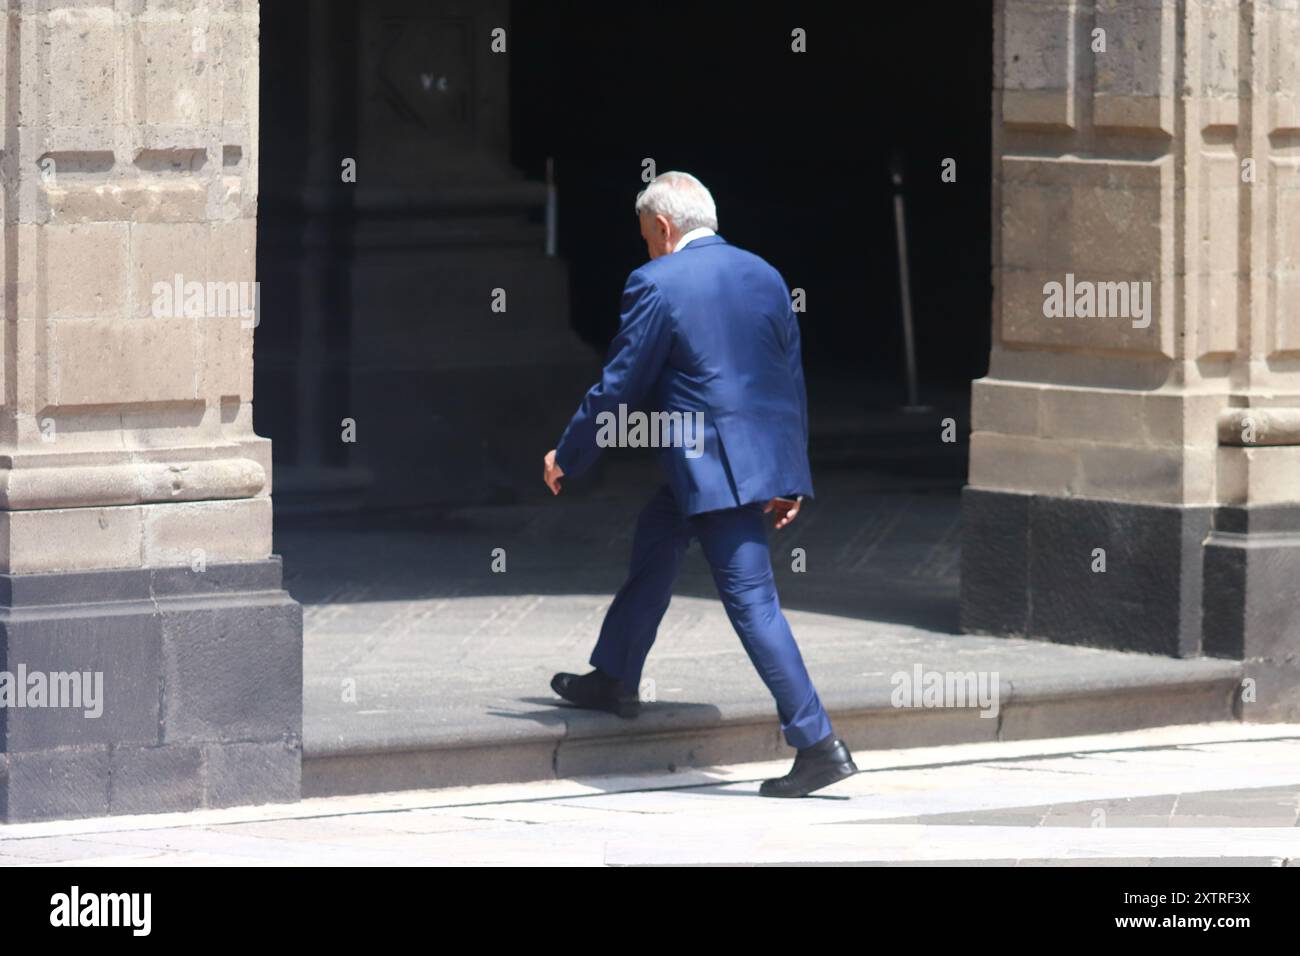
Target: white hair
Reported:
[(681, 198)]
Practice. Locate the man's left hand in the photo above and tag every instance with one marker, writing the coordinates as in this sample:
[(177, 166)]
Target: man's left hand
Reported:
[(551, 472)]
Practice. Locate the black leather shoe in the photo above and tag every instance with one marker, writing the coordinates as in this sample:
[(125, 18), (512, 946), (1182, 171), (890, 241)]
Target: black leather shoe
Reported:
[(597, 691), (824, 763)]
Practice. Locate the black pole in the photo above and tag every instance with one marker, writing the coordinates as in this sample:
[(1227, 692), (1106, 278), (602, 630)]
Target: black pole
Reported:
[(904, 286)]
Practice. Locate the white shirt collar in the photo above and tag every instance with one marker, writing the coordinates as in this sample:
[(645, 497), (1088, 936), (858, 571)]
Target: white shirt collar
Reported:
[(697, 233)]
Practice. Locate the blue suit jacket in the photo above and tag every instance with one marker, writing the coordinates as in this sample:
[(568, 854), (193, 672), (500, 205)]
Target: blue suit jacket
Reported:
[(707, 329)]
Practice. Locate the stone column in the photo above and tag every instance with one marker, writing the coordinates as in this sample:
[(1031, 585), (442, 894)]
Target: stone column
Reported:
[(305, 257), (135, 535), (1145, 141), (454, 399)]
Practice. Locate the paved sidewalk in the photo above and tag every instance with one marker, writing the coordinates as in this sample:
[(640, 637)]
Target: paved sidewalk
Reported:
[(1203, 795)]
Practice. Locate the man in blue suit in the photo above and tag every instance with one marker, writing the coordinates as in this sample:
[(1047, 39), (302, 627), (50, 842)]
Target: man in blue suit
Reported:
[(710, 343)]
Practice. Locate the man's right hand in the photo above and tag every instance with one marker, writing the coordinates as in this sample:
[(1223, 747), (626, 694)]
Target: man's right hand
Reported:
[(786, 510)]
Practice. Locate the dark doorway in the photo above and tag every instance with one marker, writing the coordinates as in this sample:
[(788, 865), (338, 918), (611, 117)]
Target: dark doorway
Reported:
[(375, 292), (795, 147)]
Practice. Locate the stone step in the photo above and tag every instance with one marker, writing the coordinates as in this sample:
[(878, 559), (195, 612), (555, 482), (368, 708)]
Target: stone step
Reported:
[(1115, 692)]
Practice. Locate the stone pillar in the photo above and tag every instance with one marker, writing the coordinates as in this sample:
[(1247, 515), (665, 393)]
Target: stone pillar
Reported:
[(465, 367), (135, 535), (420, 305), (1166, 444), (305, 256)]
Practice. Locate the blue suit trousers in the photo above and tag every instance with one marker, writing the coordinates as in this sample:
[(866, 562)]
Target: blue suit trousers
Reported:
[(735, 544)]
